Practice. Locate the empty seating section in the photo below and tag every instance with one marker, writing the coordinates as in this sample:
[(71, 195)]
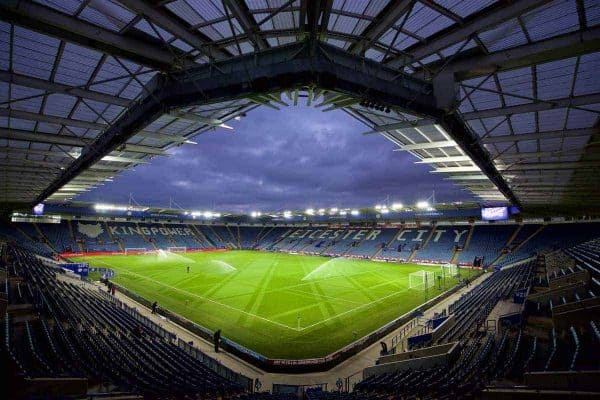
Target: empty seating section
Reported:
[(78, 331), (487, 242), (443, 242), (587, 255), (14, 234), (81, 332), (424, 245), (368, 248), (225, 235), (213, 237), (552, 236), (94, 236), (59, 237), (268, 237), (405, 242), (249, 235), (130, 235), (473, 307)]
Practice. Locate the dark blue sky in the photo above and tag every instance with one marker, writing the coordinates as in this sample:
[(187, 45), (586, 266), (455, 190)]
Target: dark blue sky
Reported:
[(295, 158)]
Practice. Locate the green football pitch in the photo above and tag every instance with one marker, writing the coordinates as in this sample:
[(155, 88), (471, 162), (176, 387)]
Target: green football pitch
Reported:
[(280, 305)]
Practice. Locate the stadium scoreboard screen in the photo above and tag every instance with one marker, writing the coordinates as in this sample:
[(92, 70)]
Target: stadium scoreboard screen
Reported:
[(494, 213)]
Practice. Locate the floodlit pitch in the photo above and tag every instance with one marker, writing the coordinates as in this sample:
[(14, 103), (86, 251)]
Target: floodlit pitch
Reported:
[(280, 305)]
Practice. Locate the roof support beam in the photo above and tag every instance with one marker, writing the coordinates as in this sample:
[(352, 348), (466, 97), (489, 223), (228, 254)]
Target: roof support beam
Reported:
[(556, 48), (401, 125), (567, 133), (468, 178), (51, 22), (482, 20), (435, 160), (427, 145), (448, 170), (5, 112), (242, 14), (578, 165), (36, 83), (177, 27), (64, 140), (386, 18), (532, 107)]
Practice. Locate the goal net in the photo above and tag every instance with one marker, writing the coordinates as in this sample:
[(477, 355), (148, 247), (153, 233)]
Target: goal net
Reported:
[(176, 249), (450, 270), (421, 280), (135, 250)]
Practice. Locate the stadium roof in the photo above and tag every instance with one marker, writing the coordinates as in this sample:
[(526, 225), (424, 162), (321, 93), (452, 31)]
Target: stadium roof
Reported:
[(502, 96)]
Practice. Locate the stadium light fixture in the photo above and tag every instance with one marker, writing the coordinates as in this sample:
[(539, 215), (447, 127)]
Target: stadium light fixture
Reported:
[(355, 212), (217, 215), (333, 210), (378, 207), (287, 214), (310, 211), (385, 210), (321, 211), (397, 206), (422, 205), (255, 214)]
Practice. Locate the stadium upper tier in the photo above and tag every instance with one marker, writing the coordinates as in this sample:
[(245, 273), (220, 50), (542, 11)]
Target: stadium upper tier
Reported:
[(496, 244)]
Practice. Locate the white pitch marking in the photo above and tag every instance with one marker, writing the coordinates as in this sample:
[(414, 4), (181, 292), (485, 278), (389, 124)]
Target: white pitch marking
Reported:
[(201, 297)]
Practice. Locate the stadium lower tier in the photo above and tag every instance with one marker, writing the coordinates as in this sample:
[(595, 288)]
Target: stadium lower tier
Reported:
[(495, 244), (67, 336)]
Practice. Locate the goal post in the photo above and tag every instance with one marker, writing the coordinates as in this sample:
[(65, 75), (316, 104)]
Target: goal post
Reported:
[(177, 249), (421, 280), (449, 270), (135, 250)]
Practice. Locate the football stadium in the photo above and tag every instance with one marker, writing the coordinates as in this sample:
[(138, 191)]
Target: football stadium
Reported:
[(367, 199)]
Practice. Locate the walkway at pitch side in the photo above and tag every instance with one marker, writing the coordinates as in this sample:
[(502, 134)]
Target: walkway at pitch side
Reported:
[(353, 366)]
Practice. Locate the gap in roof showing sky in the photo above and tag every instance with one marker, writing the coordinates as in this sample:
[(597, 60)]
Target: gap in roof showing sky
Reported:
[(293, 158)]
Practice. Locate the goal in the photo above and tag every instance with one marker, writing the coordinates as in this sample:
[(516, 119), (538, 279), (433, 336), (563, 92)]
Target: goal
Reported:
[(175, 249), (421, 280), (450, 270), (135, 250)]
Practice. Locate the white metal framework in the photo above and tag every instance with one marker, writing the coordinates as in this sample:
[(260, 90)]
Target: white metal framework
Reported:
[(450, 270), (521, 74), (176, 249), (134, 250), (421, 280)]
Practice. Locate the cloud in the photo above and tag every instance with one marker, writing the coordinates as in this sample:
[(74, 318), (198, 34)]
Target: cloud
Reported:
[(274, 160)]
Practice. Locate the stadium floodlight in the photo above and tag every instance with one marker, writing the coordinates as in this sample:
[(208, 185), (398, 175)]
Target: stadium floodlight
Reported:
[(397, 206), (422, 204), (355, 212), (310, 211), (378, 207), (343, 212), (333, 210), (255, 214), (106, 207), (321, 211), (385, 210), (287, 214)]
